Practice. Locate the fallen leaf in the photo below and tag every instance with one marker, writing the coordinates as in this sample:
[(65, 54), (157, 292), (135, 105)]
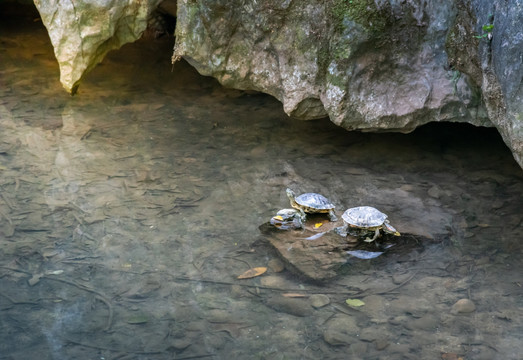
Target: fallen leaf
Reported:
[(294, 295), (354, 302), (317, 225), (257, 271)]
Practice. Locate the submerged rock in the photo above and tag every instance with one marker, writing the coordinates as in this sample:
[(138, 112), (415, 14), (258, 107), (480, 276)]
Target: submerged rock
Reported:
[(341, 330), (321, 255), (463, 306), (319, 300), (316, 259), (296, 307)]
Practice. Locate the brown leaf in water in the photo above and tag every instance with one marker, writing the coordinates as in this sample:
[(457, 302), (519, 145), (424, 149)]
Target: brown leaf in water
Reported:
[(257, 271), (295, 295)]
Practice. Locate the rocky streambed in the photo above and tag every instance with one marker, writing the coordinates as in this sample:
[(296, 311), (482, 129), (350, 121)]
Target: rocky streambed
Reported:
[(128, 212)]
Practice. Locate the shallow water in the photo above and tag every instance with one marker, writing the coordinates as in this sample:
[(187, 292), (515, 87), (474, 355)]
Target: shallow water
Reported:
[(128, 211)]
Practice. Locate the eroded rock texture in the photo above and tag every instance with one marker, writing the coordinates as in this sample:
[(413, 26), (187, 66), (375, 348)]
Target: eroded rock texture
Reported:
[(371, 65), (83, 31), (368, 65)]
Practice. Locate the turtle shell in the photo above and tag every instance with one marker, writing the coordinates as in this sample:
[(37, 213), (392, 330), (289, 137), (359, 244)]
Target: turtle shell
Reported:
[(364, 217), (314, 201)]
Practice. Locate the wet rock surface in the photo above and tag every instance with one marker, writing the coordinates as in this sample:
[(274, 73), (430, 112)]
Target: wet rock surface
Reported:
[(316, 252), (304, 254)]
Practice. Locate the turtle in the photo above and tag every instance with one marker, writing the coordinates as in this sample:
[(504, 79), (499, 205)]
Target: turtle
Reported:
[(287, 219), (365, 220), (311, 203)]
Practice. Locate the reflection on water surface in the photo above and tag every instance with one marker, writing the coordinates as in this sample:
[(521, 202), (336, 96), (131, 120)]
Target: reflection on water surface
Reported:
[(128, 211)]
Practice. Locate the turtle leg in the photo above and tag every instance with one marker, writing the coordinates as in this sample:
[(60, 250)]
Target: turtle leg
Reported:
[(332, 216), (302, 216), (376, 234), (342, 231)]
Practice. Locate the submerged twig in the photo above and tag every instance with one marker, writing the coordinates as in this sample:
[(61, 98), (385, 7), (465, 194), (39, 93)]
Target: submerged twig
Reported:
[(101, 347), (311, 291), (98, 294), (151, 352), (14, 302), (241, 260), (396, 287)]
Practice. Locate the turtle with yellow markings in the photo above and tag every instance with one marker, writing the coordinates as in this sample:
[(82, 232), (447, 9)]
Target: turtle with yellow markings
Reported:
[(311, 203)]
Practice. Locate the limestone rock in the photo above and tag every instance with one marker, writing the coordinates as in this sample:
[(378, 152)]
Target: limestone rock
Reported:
[(83, 31), (368, 65)]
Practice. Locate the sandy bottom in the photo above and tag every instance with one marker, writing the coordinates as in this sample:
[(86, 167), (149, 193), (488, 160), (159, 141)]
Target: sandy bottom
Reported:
[(128, 211)]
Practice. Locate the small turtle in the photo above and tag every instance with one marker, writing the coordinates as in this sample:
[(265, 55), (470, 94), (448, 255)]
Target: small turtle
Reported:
[(287, 219), (364, 220), (311, 203)]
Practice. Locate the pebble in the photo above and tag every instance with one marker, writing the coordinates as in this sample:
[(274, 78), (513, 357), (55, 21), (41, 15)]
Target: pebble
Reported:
[(319, 300), (402, 349), (237, 291), (434, 192), (463, 306), (497, 203), (483, 261), (381, 344), (276, 265), (379, 337), (407, 187), (181, 344), (341, 330), (427, 322), (374, 306), (400, 278), (274, 281), (358, 349), (218, 316), (337, 338), (296, 307)]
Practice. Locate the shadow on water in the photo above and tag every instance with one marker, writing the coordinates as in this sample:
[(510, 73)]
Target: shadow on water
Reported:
[(128, 211)]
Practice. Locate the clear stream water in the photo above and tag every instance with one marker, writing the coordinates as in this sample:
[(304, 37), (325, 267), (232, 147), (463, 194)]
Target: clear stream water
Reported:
[(128, 211)]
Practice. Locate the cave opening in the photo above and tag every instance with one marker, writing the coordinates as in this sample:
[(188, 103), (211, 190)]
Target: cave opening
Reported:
[(151, 58)]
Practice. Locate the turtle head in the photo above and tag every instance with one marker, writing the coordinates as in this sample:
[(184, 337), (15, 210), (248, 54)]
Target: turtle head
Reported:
[(388, 228), (290, 194)]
